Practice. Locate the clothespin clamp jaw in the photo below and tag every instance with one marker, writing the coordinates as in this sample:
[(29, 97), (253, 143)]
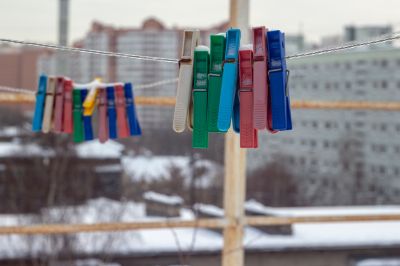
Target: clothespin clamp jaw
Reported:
[(134, 126), (200, 85), (112, 113), (68, 103), (49, 105), (78, 129), (40, 104), (182, 113), (229, 79), (278, 76), (260, 78), (120, 104), (217, 57), (89, 104), (248, 133)]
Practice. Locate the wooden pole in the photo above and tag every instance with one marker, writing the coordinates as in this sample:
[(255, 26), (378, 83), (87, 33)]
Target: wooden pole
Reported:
[(235, 166)]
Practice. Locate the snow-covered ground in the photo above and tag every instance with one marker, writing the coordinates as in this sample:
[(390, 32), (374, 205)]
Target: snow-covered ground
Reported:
[(314, 235)]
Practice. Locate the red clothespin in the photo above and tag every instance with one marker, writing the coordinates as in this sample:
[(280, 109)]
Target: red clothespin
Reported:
[(120, 104), (68, 122), (248, 133), (59, 105), (260, 78), (103, 121)]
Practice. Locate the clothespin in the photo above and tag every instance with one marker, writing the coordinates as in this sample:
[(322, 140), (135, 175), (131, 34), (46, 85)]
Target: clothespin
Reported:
[(89, 103), (59, 105), (236, 112), (278, 75), (68, 121), (229, 79), (248, 133), (260, 78), (103, 123), (112, 114), (217, 56), (49, 104), (78, 134), (120, 104), (200, 80), (134, 126), (87, 119), (183, 96), (39, 105)]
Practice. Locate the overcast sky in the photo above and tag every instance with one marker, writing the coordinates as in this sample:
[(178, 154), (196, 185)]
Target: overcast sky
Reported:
[(36, 20)]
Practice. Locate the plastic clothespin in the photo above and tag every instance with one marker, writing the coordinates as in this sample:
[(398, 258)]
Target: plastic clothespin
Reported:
[(278, 74), (112, 114), (59, 105), (229, 79), (39, 105), (248, 133), (182, 114), (68, 121), (87, 119), (236, 112), (200, 82), (103, 122), (49, 105), (89, 103), (217, 56), (78, 134), (260, 94), (120, 104), (134, 126)]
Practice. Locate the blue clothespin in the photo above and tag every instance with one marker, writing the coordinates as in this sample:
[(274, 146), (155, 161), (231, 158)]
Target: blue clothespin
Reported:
[(39, 106), (278, 77), (229, 79), (236, 113), (112, 113), (87, 120), (134, 126)]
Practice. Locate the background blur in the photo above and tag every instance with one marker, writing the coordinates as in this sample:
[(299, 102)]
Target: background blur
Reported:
[(334, 162)]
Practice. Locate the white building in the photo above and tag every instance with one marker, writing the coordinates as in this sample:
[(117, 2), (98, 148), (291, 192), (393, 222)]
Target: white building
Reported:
[(363, 144)]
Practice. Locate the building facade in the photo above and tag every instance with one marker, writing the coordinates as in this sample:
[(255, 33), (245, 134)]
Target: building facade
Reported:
[(362, 144)]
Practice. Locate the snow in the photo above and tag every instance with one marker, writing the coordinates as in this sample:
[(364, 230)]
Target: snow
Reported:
[(157, 197), (111, 168), (15, 148), (379, 262), (10, 131), (95, 149), (158, 168), (209, 209), (313, 235), (153, 168), (255, 206)]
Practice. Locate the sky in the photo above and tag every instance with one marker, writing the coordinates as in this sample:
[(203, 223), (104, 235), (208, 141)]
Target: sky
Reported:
[(36, 20)]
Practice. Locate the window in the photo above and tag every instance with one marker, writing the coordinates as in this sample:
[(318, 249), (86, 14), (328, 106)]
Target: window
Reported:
[(384, 84)]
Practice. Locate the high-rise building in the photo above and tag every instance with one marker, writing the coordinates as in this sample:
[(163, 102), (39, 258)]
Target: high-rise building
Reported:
[(359, 143)]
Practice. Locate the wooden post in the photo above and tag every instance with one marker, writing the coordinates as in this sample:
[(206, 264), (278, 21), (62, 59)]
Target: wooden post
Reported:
[(235, 166)]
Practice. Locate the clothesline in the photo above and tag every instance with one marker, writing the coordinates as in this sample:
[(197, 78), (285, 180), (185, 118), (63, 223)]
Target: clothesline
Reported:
[(346, 46)]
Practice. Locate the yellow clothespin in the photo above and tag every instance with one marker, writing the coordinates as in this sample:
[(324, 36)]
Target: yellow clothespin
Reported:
[(89, 104)]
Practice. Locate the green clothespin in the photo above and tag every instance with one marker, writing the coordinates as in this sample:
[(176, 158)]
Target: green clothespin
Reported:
[(201, 63), (217, 56), (78, 133)]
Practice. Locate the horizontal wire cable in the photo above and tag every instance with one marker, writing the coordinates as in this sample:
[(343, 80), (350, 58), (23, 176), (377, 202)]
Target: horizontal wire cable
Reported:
[(346, 46), (90, 51)]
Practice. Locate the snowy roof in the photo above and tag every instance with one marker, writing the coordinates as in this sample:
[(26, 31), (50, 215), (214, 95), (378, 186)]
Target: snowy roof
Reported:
[(305, 236), (255, 206), (161, 198), (153, 168), (379, 262), (208, 209), (95, 149), (15, 148)]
